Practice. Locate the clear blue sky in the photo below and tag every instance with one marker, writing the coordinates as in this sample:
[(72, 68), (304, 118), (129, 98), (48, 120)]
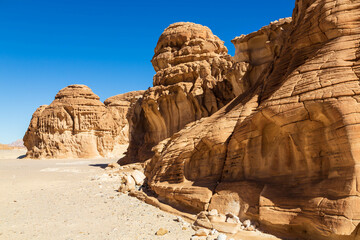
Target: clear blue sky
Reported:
[(46, 45)]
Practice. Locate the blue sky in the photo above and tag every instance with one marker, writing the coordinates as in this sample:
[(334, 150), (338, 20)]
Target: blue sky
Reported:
[(46, 45)]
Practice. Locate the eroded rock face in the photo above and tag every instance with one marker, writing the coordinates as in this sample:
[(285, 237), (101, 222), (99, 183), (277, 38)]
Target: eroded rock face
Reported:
[(285, 152), (75, 125), (194, 78), (121, 106)]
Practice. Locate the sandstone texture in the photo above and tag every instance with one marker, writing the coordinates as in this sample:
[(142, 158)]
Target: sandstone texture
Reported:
[(77, 125), (283, 153), (195, 77), (121, 107)]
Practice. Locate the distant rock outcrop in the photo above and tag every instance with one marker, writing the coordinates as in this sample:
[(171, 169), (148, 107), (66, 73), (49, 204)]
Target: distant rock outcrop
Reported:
[(194, 78), (122, 108), (7, 147), (285, 152), (18, 143), (76, 125)]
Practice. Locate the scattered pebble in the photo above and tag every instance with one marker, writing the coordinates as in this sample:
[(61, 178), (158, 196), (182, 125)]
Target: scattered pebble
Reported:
[(161, 232), (221, 237), (213, 212), (214, 232), (247, 223)]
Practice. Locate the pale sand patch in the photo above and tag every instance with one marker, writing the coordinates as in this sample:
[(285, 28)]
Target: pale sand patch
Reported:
[(70, 199), (76, 199)]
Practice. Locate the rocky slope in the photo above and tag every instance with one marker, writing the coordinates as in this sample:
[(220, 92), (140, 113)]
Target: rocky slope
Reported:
[(77, 125), (194, 78), (285, 151)]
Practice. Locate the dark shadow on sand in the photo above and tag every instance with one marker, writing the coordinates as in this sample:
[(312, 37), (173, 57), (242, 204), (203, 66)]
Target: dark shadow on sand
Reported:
[(100, 165)]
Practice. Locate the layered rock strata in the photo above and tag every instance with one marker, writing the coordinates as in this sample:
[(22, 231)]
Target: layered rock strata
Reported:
[(285, 152), (75, 125), (194, 78), (122, 109)]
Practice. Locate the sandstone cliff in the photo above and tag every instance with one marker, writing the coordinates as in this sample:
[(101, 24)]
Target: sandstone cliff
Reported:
[(194, 78), (285, 152), (77, 125), (122, 109)]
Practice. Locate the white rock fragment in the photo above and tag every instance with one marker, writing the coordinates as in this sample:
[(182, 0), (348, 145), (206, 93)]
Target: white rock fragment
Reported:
[(213, 232), (213, 212), (231, 218), (130, 182), (247, 223), (138, 176), (221, 237)]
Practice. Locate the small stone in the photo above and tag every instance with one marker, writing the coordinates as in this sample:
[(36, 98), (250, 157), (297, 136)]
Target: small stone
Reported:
[(214, 232), (233, 219), (184, 228), (221, 237), (202, 232), (179, 219), (138, 176), (213, 212), (247, 223), (161, 232)]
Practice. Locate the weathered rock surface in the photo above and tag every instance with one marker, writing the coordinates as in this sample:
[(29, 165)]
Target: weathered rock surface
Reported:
[(285, 152), (75, 125), (121, 106), (194, 78)]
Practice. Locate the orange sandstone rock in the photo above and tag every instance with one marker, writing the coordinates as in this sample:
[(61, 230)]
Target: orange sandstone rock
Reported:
[(285, 152), (75, 125), (194, 78)]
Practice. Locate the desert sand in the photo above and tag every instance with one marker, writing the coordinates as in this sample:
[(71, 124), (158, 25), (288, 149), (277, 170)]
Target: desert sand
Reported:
[(73, 199), (77, 199)]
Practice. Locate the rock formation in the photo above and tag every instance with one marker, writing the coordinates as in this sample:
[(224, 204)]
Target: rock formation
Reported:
[(77, 125), (285, 151), (122, 108), (194, 78), (18, 144)]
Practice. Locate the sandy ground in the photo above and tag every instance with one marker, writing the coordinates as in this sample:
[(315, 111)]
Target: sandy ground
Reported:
[(73, 199), (77, 199)]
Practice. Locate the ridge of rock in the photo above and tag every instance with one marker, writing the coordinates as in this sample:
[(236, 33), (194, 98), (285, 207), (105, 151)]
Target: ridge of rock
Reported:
[(194, 78), (285, 151)]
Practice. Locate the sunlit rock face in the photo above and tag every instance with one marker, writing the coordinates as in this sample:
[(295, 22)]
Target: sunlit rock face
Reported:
[(121, 107), (75, 125), (285, 152), (194, 78)]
